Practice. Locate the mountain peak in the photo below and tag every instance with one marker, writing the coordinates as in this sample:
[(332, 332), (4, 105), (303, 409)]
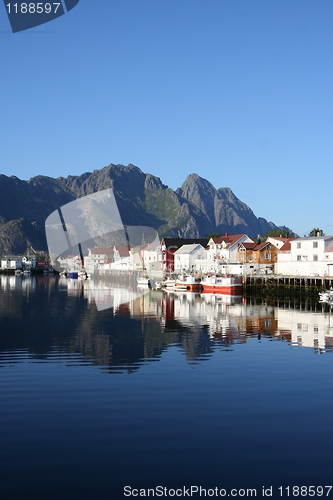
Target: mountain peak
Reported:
[(197, 208)]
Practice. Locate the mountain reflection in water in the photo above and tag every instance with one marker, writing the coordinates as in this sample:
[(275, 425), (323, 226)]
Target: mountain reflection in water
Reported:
[(47, 317), (168, 390)]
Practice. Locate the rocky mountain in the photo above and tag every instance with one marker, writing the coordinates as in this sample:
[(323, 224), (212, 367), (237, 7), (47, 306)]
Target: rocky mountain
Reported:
[(195, 209)]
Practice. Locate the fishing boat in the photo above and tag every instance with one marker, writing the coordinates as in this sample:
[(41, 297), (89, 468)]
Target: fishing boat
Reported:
[(188, 283), (169, 283), (222, 284)]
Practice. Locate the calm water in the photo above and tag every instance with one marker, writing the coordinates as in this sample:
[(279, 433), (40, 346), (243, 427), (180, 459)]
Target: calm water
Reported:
[(172, 390)]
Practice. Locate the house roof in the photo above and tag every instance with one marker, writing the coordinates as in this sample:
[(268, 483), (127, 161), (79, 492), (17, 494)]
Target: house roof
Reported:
[(102, 250), (248, 246), (278, 238), (122, 250), (178, 242), (325, 238), (152, 246), (186, 249), (255, 246), (12, 257), (229, 240), (287, 246)]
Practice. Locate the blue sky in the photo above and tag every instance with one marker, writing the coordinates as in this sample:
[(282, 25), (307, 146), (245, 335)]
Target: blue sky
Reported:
[(239, 92)]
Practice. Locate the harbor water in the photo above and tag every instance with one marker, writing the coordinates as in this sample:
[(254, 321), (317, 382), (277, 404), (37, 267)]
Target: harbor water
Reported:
[(159, 392)]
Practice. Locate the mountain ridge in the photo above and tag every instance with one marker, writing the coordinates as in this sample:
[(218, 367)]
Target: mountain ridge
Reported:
[(195, 209)]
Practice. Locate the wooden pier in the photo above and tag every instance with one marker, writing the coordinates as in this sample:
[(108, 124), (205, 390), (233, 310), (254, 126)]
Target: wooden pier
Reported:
[(283, 286)]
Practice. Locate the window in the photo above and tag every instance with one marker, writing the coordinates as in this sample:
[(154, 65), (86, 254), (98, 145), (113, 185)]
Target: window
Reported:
[(315, 244), (299, 257), (267, 255), (315, 257), (298, 245)]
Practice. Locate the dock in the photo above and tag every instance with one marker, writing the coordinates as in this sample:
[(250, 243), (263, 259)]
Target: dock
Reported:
[(284, 286)]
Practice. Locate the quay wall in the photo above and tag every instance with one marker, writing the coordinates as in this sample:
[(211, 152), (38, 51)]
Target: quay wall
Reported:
[(286, 285)]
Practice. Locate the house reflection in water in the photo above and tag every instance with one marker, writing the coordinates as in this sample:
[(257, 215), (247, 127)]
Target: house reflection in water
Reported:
[(223, 317)]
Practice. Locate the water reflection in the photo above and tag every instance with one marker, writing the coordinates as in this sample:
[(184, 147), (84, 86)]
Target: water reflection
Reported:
[(47, 318)]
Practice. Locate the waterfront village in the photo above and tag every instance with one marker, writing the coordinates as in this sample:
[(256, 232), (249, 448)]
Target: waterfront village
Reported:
[(228, 255), (231, 254)]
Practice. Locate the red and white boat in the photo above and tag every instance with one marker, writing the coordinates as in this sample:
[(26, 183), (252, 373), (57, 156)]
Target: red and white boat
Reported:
[(222, 284), (188, 283)]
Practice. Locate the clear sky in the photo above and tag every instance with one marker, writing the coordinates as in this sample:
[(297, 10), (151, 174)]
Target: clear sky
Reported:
[(237, 91)]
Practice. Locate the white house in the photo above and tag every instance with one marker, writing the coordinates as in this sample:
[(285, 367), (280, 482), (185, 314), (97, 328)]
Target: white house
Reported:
[(100, 255), (187, 256), (150, 255), (121, 258), (278, 241), (29, 261), (12, 262), (310, 256), (225, 248), (222, 254)]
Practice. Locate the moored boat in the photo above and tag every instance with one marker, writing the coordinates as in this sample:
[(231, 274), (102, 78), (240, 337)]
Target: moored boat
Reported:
[(83, 275), (169, 283), (142, 281), (73, 275), (326, 295), (222, 284), (188, 283)]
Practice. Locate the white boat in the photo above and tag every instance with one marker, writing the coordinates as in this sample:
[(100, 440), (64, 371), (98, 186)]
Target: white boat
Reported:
[(174, 288), (83, 275), (222, 284), (169, 283), (142, 281), (188, 283), (326, 296)]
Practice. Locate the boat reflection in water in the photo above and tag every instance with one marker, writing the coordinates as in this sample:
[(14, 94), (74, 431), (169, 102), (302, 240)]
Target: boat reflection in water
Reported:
[(223, 317), (158, 389), (132, 326)]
